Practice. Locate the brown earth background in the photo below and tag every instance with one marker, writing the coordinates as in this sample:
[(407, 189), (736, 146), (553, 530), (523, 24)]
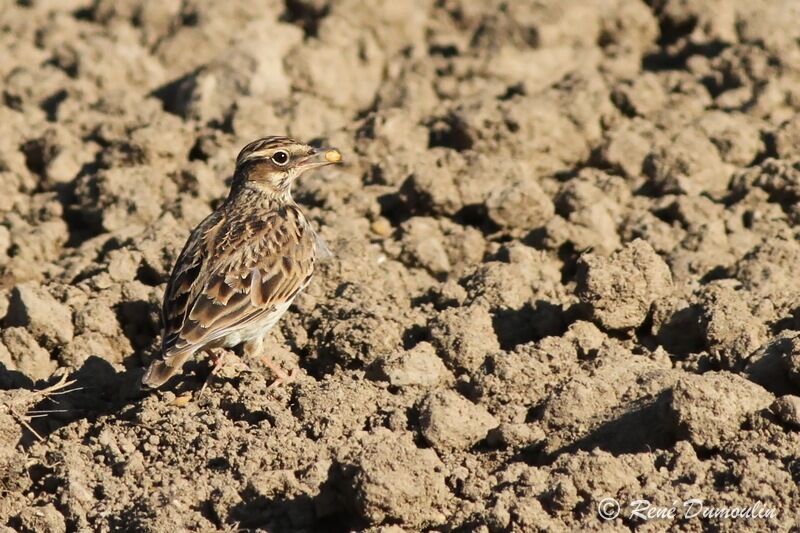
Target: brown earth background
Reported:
[(566, 263)]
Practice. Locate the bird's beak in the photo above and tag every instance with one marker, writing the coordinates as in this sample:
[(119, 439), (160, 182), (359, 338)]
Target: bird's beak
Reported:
[(320, 158)]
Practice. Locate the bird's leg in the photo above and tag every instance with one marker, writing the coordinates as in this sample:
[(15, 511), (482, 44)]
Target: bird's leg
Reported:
[(256, 347), (220, 361), (217, 361), (281, 376)]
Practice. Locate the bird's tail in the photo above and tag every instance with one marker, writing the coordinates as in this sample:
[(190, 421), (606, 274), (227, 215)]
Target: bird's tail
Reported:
[(161, 370)]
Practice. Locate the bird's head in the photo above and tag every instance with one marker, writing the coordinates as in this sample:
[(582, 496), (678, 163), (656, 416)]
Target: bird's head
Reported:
[(273, 163)]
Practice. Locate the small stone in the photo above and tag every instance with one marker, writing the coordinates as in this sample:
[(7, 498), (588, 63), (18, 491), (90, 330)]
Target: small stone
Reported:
[(182, 400), (381, 227), (787, 408), (450, 421)]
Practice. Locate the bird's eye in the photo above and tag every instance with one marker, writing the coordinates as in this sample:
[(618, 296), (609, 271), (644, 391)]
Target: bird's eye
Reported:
[(280, 157)]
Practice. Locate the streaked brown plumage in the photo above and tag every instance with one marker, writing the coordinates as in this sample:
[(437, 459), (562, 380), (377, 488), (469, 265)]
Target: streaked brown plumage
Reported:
[(246, 262)]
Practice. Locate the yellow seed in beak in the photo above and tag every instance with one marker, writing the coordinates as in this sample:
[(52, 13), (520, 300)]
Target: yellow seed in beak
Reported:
[(333, 156)]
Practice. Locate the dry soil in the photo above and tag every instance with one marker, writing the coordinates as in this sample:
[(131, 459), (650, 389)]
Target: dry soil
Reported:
[(566, 263)]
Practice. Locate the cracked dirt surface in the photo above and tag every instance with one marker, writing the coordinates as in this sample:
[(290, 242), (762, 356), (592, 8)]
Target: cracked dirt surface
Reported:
[(566, 262)]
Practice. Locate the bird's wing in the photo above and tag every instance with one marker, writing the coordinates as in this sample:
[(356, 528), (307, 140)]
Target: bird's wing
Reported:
[(234, 274)]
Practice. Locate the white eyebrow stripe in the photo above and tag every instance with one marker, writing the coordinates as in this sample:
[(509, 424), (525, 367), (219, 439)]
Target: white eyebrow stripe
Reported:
[(261, 147), (254, 155)]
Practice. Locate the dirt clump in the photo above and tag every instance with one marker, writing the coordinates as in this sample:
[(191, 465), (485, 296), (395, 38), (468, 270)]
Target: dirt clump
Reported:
[(448, 420), (718, 416), (621, 288), (39, 313), (405, 484)]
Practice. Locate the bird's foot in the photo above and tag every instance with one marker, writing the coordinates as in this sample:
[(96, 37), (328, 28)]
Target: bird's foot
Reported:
[(281, 377), (224, 362)]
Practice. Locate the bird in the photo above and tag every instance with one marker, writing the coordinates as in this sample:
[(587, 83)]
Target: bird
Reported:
[(243, 265)]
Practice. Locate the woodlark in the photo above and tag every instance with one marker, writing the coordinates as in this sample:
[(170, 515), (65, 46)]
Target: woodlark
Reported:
[(246, 262)]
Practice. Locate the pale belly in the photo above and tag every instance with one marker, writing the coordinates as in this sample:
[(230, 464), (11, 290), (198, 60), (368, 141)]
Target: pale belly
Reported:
[(257, 329)]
